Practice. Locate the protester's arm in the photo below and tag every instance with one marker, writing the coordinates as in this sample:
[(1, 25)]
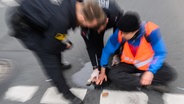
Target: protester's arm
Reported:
[(158, 59), (159, 48), (110, 48)]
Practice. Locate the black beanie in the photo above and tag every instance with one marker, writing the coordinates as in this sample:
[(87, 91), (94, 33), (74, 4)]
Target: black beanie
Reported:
[(129, 22)]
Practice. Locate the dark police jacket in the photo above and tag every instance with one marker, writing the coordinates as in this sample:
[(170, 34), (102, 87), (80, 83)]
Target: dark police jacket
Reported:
[(54, 17)]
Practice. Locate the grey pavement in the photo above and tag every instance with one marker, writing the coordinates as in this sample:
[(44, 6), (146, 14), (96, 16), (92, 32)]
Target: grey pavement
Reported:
[(27, 73)]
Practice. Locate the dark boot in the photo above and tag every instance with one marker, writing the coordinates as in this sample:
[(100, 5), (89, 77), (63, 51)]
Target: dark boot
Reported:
[(73, 99), (76, 100)]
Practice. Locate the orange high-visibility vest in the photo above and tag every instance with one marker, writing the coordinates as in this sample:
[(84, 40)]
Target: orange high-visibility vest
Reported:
[(144, 54)]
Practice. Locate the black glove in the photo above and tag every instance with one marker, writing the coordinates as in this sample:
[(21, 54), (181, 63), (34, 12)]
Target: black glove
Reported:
[(66, 45), (70, 42)]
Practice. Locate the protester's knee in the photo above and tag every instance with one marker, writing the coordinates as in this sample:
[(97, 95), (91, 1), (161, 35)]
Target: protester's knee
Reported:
[(168, 73), (173, 74)]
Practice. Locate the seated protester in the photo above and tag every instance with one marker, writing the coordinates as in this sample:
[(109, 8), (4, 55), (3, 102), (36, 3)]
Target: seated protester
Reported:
[(143, 51)]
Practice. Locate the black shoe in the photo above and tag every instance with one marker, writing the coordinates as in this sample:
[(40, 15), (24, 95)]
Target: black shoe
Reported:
[(66, 66), (72, 98), (159, 88)]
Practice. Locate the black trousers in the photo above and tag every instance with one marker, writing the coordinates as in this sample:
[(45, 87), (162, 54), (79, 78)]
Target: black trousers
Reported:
[(50, 62), (123, 76)]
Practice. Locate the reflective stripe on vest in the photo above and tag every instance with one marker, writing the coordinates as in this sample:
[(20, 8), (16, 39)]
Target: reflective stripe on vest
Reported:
[(141, 64)]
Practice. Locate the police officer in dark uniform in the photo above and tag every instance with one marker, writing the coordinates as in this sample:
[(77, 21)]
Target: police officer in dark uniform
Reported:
[(42, 25), (93, 37)]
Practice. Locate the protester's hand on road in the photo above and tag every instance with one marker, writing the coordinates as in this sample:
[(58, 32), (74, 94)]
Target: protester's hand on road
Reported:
[(146, 78), (102, 76)]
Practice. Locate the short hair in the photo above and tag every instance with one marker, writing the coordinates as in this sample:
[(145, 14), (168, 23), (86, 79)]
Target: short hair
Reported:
[(92, 11), (129, 22)]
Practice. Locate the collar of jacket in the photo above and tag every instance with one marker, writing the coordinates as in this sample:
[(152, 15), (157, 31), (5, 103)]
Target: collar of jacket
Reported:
[(139, 33)]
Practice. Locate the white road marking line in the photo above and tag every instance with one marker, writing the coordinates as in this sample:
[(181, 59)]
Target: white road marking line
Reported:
[(173, 98), (52, 96), (180, 88), (123, 97), (20, 93), (79, 92)]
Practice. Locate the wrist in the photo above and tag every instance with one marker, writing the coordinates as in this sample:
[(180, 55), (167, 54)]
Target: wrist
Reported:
[(95, 67), (102, 70), (151, 71)]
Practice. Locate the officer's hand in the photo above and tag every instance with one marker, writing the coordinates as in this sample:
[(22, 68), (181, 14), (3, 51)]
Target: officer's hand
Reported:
[(93, 77), (146, 78), (68, 44), (102, 76), (115, 60)]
